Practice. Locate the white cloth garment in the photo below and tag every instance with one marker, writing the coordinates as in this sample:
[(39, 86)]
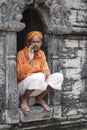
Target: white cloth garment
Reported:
[(37, 81)]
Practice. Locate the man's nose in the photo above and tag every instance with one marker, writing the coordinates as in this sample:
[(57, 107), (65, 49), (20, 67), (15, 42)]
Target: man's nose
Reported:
[(34, 43)]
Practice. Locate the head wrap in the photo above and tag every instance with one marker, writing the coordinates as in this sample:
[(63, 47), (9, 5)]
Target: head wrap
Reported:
[(32, 34)]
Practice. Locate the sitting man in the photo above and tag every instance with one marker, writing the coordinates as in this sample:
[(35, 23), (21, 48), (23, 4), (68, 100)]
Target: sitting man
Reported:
[(34, 77)]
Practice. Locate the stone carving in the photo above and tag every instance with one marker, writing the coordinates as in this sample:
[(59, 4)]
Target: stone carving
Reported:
[(59, 18), (3, 18), (3, 4), (56, 17), (15, 9), (46, 3), (11, 14), (28, 2), (58, 21)]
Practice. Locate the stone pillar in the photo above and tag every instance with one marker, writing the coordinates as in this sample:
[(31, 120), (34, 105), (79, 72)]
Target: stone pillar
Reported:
[(9, 99), (10, 113), (2, 71), (53, 43), (10, 16)]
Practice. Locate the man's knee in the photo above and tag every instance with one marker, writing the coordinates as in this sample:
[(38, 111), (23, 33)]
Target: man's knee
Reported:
[(58, 76), (41, 77), (38, 77)]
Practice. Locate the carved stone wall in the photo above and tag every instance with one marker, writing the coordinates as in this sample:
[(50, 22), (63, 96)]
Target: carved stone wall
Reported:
[(65, 34), (2, 70), (55, 16)]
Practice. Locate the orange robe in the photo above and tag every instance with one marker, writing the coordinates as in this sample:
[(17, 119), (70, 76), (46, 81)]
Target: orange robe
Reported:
[(24, 69)]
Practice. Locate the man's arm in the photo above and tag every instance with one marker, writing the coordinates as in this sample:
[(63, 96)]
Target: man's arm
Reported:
[(23, 67)]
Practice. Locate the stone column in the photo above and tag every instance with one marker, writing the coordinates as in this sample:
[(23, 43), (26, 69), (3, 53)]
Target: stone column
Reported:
[(11, 114), (2, 72), (52, 42), (9, 101)]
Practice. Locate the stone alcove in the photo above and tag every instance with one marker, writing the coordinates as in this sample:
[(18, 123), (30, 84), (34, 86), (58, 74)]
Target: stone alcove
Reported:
[(53, 27), (65, 34), (33, 21)]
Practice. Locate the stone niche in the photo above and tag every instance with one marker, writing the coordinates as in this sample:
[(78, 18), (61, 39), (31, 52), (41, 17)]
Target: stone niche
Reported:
[(55, 24)]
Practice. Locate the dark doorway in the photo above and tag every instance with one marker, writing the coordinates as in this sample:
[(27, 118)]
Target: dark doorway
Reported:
[(33, 21)]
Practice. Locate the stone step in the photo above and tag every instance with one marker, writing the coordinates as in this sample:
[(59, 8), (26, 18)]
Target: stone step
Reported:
[(37, 113)]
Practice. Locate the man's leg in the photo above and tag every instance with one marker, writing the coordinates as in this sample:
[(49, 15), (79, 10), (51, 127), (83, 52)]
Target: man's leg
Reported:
[(24, 100), (39, 98)]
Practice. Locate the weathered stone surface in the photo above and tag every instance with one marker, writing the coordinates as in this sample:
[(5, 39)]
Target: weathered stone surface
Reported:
[(11, 80), (57, 112), (2, 72), (5, 127), (66, 42), (10, 116), (36, 113)]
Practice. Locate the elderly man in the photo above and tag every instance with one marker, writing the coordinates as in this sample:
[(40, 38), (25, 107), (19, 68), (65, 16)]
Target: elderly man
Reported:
[(34, 77)]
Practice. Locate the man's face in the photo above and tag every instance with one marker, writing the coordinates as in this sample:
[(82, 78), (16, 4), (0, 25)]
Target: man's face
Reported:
[(36, 43)]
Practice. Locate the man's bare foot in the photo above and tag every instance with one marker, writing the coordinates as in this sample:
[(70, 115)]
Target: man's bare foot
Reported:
[(43, 103), (24, 105)]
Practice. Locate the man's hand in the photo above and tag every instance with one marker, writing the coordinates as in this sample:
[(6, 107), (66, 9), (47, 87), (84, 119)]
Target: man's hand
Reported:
[(31, 53), (45, 74)]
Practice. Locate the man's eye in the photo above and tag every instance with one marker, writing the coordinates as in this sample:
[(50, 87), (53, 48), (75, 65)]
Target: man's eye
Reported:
[(38, 41), (32, 42)]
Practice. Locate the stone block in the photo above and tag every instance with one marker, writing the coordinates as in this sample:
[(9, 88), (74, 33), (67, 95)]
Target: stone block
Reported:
[(71, 63), (79, 5), (71, 43), (73, 16), (83, 43), (2, 76), (37, 113), (11, 44), (82, 16), (10, 116), (57, 112), (72, 72), (54, 98)]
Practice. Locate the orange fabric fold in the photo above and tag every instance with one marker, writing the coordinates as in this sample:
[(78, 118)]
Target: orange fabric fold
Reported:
[(25, 69)]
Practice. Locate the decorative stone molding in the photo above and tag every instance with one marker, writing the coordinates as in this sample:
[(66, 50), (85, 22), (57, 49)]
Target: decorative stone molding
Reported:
[(55, 16), (46, 3), (58, 21), (10, 15)]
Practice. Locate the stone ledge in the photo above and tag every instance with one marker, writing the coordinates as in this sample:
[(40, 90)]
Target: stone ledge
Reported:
[(37, 113), (5, 127), (10, 116), (11, 26)]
